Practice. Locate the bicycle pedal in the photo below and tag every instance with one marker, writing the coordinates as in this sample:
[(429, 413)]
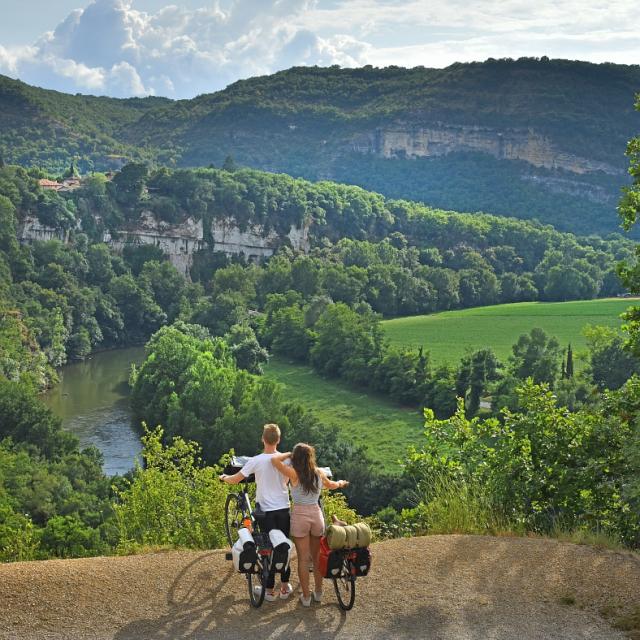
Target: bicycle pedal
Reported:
[(228, 556)]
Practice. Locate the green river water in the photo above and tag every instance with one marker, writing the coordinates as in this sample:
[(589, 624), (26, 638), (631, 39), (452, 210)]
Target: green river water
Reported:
[(92, 399)]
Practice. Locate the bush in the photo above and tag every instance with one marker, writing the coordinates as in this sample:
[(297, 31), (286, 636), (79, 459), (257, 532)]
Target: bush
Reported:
[(173, 501), (69, 537)]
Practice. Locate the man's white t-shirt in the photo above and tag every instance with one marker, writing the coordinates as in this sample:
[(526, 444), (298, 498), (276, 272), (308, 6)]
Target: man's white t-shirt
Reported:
[(271, 485)]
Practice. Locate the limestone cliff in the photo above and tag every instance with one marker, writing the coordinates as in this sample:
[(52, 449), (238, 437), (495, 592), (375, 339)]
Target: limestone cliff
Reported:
[(31, 229), (180, 242), (439, 139)]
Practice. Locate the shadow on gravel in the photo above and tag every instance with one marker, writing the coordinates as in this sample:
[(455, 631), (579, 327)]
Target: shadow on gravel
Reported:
[(202, 604)]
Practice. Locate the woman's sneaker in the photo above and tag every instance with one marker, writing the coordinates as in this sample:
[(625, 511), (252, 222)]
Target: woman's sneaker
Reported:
[(305, 602), (317, 596), (284, 594)]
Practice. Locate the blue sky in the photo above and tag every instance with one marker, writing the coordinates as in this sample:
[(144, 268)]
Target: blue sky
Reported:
[(153, 47)]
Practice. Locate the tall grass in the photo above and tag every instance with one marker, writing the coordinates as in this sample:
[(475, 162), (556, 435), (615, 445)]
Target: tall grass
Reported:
[(456, 506)]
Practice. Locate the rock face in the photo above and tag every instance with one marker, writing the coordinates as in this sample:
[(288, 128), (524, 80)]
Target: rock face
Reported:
[(253, 241), (439, 139), (180, 241), (31, 229)]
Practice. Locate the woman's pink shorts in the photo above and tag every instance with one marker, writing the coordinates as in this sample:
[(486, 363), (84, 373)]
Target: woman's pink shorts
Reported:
[(306, 519)]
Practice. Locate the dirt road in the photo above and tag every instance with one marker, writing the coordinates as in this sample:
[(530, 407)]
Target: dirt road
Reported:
[(438, 587)]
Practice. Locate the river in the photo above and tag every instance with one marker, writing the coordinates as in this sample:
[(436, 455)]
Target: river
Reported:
[(92, 398)]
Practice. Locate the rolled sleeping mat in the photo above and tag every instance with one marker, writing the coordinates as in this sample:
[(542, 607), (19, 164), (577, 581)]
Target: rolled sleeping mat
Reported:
[(245, 537), (364, 534), (352, 536), (336, 537)]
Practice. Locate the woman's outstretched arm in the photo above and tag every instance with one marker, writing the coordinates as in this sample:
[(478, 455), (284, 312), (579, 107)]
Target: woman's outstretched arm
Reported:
[(332, 484)]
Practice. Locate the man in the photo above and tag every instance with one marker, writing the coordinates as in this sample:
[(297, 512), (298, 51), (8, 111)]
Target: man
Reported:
[(272, 495)]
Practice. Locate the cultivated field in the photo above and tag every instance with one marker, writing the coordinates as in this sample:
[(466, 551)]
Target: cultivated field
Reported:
[(450, 334), (383, 427)]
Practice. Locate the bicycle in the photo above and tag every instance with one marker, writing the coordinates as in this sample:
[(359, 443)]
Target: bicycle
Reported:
[(239, 514), (343, 566)]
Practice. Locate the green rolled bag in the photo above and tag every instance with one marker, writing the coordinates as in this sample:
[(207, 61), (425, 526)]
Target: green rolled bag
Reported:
[(364, 534), (336, 537), (349, 537)]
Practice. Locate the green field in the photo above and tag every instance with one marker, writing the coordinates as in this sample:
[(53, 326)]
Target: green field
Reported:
[(450, 334), (383, 427)]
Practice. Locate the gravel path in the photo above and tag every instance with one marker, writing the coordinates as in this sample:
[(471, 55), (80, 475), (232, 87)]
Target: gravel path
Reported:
[(438, 587)]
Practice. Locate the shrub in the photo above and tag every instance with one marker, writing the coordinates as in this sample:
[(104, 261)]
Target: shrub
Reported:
[(172, 501)]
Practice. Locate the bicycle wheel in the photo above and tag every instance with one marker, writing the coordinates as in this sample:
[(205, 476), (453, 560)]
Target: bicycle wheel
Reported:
[(233, 515), (345, 586), (257, 588)]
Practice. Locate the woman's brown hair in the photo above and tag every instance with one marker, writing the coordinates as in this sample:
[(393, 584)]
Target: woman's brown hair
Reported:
[(303, 460)]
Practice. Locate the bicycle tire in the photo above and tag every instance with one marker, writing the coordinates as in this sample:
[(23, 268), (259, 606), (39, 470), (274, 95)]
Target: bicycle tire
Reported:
[(345, 587), (233, 515), (254, 580)]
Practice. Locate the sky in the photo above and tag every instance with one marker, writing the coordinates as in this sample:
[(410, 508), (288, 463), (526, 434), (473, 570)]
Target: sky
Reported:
[(128, 48)]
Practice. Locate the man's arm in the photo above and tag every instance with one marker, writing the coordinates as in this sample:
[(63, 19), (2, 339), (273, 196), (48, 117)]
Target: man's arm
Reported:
[(234, 479)]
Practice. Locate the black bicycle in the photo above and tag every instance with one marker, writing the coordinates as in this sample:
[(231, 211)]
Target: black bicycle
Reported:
[(238, 514), (345, 582)]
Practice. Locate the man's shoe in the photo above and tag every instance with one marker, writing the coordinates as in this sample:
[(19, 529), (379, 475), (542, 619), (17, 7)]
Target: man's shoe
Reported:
[(288, 590), (317, 596), (271, 596)]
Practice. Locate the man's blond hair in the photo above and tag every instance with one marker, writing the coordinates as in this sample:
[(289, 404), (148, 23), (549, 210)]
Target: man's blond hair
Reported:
[(271, 434)]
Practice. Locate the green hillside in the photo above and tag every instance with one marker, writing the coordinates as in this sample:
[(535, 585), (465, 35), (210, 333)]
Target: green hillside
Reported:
[(385, 429), (546, 145), (448, 335)]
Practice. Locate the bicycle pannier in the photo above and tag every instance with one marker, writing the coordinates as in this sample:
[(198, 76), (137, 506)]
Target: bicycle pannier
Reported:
[(330, 562), (362, 561), (281, 549), (243, 552)]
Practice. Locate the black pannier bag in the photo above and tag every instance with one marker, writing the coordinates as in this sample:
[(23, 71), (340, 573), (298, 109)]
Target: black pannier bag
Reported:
[(244, 552), (362, 561)]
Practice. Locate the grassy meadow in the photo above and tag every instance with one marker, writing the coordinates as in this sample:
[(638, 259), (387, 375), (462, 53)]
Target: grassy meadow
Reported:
[(448, 335), (383, 427)]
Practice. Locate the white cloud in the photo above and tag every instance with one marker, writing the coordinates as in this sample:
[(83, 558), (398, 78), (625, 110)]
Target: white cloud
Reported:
[(113, 48), (110, 47)]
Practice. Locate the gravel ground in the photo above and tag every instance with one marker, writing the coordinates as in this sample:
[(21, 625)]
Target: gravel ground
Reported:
[(437, 587)]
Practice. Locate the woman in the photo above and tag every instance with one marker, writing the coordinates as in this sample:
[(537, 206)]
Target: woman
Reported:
[(307, 522)]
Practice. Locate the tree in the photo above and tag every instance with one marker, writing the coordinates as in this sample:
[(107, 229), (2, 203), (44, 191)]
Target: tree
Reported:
[(246, 349), (167, 285), (25, 419), (128, 184), (347, 344), (536, 355), (568, 370), (288, 333), (141, 315), (629, 210), (610, 363), (229, 164), (475, 373)]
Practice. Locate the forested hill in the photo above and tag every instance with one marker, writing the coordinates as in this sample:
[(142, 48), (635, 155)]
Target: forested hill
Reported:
[(532, 138)]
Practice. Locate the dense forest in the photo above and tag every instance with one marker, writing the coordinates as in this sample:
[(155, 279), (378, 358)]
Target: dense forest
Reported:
[(327, 123), (391, 257)]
